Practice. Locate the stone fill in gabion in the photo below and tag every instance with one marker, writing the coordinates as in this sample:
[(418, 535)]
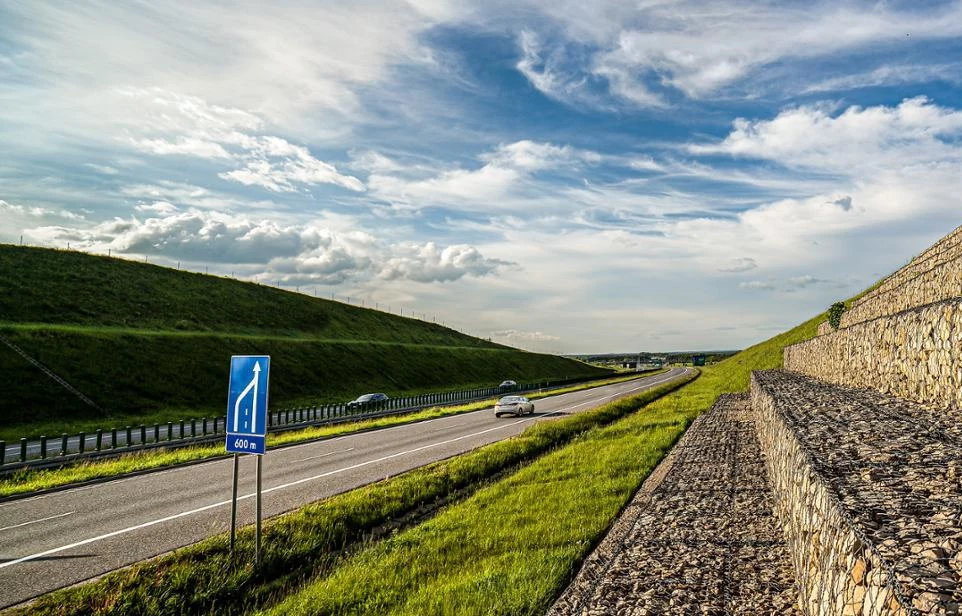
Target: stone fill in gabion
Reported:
[(916, 354), (699, 537), (943, 281), (946, 249), (869, 490)]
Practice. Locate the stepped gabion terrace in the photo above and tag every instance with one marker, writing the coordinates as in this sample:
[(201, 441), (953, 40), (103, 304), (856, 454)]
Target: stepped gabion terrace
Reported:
[(835, 487)]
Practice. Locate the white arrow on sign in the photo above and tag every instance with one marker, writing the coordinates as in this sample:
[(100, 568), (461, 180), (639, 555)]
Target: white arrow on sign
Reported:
[(243, 394)]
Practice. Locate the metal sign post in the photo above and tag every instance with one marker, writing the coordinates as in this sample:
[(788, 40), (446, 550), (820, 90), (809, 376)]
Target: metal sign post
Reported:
[(247, 426), (233, 505)]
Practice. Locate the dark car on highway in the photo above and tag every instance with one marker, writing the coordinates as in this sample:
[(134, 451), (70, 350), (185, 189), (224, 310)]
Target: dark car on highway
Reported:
[(367, 400)]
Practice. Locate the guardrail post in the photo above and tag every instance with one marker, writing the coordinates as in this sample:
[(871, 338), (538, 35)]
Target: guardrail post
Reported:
[(63, 444), (113, 438), (100, 439), (23, 450), (3, 451), (216, 419), (193, 428), (128, 433), (203, 428), (143, 435), (43, 447), (156, 433), (82, 443), (170, 430), (181, 435)]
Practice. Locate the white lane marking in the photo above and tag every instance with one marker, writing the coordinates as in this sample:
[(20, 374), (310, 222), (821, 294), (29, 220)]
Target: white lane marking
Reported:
[(53, 517), (324, 455), (275, 488)]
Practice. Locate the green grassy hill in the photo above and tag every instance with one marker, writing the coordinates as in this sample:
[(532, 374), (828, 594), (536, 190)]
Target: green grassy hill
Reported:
[(139, 339)]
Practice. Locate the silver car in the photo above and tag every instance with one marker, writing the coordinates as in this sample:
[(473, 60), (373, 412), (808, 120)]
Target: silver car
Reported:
[(513, 405)]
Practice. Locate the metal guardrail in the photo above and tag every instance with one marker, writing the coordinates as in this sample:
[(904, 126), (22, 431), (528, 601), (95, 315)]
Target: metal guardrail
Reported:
[(52, 451)]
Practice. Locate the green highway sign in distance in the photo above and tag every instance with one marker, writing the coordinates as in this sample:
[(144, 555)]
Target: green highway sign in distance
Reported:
[(247, 403)]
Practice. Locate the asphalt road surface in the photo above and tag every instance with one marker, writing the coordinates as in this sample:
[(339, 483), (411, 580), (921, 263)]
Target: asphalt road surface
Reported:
[(54, 540)]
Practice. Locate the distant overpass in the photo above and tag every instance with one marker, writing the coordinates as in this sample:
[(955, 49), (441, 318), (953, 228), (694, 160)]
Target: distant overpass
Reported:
[(631, 360)]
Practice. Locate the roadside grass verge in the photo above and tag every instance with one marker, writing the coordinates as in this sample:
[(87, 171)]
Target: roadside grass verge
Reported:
[(513, 546), (27, 481), (203, 578)]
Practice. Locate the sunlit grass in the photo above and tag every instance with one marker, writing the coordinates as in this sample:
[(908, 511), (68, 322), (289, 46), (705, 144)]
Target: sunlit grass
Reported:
[(203, 578), (513, 546)]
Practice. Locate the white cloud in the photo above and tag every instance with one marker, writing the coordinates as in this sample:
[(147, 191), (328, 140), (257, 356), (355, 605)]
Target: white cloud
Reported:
[(503, 175), (553, 74), (185, 146), (296, 253), (34, 212), (516, 337), (757, 285), (741, 264), (807, 280), (917, 131), (890, 75), (699, 48), (285, 61), (222, 133), (430, 263), (530, 156), (104, 169)]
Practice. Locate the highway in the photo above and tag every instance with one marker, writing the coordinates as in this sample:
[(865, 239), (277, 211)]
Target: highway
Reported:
[(61, 538)]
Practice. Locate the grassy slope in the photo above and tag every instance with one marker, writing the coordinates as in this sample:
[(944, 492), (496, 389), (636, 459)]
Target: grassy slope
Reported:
[(138, 338), (509, 549), (203, 578), (513, 546)]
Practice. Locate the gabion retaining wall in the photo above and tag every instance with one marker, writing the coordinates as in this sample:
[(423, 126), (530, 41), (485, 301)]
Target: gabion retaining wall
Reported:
[(857, 546), (946, 249), (916, 354), (941, 282)]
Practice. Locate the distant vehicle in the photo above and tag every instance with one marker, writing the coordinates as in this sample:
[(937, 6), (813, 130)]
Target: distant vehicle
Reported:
[(367, 399), (507, 384), (514, 405)]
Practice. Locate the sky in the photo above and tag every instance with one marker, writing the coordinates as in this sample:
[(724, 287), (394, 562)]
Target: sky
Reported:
[(560, 176)]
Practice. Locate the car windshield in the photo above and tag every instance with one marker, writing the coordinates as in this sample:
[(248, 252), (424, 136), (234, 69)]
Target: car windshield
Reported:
[(510, 400), (366, 398)]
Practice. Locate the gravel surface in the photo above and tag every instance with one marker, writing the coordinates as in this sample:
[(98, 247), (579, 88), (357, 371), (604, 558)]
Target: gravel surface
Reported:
[(895, 468), (699, 537)]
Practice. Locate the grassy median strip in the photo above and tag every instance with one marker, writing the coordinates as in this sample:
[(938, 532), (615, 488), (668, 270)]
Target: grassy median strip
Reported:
[(513, 546), (203, 578), (27, 481)]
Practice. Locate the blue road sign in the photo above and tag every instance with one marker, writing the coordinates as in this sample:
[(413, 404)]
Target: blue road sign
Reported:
[(247, 403)]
